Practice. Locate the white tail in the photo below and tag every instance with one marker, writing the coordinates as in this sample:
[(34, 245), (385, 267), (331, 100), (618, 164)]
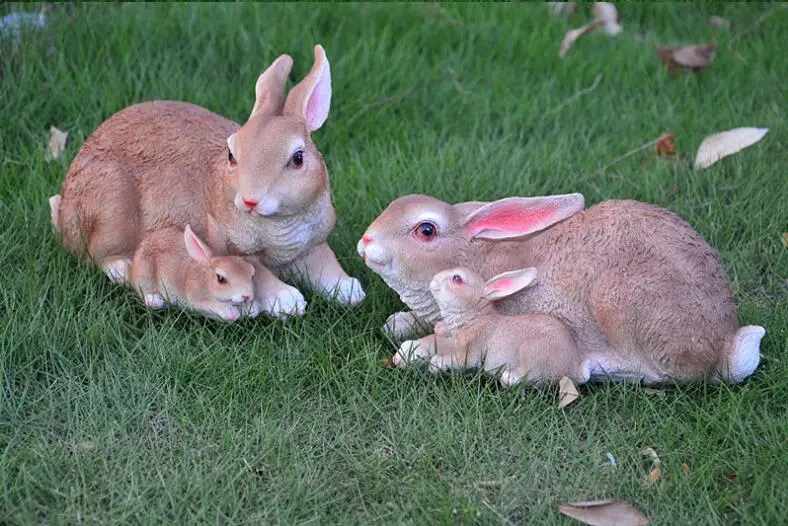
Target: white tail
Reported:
[(54, 210), (745, 353)]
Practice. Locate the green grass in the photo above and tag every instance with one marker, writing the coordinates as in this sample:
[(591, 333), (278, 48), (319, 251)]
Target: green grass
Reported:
[(111, 414)]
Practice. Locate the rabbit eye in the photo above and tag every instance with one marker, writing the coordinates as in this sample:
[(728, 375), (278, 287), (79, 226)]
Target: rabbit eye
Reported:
[(231, 158), (426, 231), (297, 160), (221, 279), (457, 279)]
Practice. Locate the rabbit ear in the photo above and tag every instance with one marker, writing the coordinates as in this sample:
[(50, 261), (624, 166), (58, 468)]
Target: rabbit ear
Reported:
[(270, 88), (508, 283), (198, 250), (518, 216), (310, 99)]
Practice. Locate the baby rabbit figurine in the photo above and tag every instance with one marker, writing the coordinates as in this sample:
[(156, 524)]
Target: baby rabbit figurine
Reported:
[(628, 279), (177, 267), (539, 348), (174, 163)]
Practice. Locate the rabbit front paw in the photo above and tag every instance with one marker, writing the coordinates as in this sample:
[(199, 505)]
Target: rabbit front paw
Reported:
[(154, 301), (349, 292), (287, 301), (117, 270), (401, 325), (410, 351)]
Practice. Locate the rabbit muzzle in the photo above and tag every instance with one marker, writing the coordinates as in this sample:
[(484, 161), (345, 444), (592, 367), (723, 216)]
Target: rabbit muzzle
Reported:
[(374, 255)]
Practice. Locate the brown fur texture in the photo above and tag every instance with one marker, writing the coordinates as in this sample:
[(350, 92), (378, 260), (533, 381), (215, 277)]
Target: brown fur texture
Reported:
[(166, 164), (634, 284), (176, 267)]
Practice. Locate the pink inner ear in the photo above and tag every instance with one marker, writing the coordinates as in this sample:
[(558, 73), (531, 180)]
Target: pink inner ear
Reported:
[(319, 101), (502, 284), (197, 247), (512, 219)]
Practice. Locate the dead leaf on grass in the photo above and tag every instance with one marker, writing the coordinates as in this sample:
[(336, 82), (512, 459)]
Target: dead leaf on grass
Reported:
[(604, 513), (785, 239), (650, 453), (655, 392), (568, 393), (387, 363), (85, 445), (685, 468), (57, 143), (665, 146), (606, 12), (690, 58), (717, 21), (563, 8), (654, 476), (573, 35), (720, 145)]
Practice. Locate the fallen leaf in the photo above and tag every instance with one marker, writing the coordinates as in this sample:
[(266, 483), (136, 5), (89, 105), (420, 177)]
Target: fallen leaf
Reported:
[(85, 445), (604, 513), (567, 392), (655, 392), (717, 21), (733, 477), (785, 239), (606, 12), (387, 363), (574, 34), (715, 147), (650, 453), (563, 8), (690, 58), (57, 143), (654, 476), (685, 468), (665, 146)]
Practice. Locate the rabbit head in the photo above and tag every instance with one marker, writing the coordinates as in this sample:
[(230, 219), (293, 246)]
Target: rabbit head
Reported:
[(277, 168), (417, 236), (226, 279), (463, 295)]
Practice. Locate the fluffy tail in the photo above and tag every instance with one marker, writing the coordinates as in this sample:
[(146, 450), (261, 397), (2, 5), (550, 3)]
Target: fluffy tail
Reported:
[(744, 353), (54, 210)]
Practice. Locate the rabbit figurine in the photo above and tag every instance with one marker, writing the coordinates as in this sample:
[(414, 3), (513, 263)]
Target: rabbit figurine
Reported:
[(173, 163), (178, 268), (627, 279)]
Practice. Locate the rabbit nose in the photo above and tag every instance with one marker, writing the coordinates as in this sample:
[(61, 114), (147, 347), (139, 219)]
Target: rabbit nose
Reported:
[(366, 240), (251, 203), (246, 297)]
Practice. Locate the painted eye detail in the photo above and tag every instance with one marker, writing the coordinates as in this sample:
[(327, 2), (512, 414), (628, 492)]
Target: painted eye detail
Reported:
[(297, 160), (221, 279), (457, 279), (426, 231), (231, 158)]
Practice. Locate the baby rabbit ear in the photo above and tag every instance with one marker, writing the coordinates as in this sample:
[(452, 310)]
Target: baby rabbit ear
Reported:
[(198, 250), (310, 99), (269, 91), (518, 216), (508, 283)]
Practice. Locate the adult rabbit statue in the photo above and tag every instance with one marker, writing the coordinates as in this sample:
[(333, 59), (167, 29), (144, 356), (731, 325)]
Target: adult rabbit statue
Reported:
[(166, 164), (625, 277)]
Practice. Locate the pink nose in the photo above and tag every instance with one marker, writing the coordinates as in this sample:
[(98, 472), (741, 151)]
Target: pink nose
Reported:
[(250, 203), (366, 240), (246, 298)]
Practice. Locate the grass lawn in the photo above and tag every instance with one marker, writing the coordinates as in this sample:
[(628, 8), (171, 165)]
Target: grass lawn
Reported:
[(111, 414)]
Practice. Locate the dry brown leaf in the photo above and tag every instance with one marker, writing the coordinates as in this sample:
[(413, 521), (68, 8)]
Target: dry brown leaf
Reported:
[(567, 392), (654, 476), (85, 445), (563, 8), (650, 453), (573, 35), (717, 21), (604, 513), (665, 146), (57, 143), (715, 147), (690, 58), (785, 239), (655, 392), (387, 363), (685, 468), (606, 12)]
